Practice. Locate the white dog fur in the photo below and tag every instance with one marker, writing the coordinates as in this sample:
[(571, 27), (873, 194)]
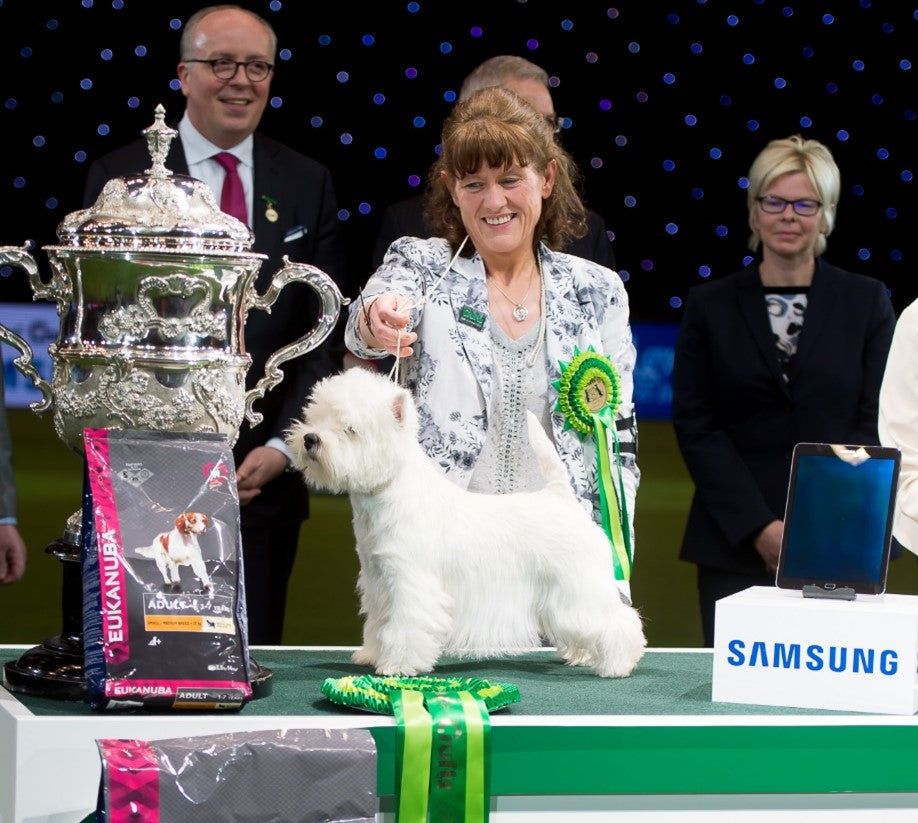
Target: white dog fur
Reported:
[(444, 571), (180, 547)]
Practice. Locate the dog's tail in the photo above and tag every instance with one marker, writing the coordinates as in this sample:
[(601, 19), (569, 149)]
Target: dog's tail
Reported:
[(146, 551), (550, 464)]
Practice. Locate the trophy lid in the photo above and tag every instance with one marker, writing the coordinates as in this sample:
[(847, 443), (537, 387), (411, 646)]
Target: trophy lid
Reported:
[(156, 211)]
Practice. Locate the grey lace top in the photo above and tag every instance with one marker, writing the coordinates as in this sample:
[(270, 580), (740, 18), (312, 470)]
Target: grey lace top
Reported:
[(507, 462)]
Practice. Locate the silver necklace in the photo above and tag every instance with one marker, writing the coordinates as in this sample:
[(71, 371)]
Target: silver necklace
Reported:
[(540, 339), (520, 312)]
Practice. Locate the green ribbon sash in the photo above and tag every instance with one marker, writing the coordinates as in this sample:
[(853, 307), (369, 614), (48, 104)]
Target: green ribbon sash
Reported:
[(443, 740), (589, 394), (441, 753), (412, 755)]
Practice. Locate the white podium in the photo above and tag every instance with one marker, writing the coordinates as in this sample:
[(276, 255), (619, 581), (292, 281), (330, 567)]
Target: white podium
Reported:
[(774, 647)]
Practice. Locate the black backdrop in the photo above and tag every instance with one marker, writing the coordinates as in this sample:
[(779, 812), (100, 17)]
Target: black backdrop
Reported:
[(667, 104)]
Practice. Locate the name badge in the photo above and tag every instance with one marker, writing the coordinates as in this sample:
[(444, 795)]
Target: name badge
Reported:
[(469, 317)]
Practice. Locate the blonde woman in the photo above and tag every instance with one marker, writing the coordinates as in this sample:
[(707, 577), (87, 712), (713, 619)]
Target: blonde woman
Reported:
[(790, 349)]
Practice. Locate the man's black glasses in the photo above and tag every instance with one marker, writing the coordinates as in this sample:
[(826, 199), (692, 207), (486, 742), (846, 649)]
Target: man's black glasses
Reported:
[(225, 69)]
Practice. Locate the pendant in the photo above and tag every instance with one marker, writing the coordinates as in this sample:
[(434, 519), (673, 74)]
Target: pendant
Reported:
[(520, 313)]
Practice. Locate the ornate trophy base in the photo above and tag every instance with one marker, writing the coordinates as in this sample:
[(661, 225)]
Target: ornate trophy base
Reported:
[(55, 668)]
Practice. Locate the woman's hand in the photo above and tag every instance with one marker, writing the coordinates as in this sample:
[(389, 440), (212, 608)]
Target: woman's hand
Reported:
[(383, 325)]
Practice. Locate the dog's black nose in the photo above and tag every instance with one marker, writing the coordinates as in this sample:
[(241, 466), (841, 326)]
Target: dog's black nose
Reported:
[(310, 441)]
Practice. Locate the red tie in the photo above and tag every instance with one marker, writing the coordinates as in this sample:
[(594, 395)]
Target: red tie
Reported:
[(232, 198)]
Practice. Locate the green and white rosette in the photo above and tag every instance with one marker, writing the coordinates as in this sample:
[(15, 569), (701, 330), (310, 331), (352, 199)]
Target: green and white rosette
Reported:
[(443, 739), (589, 394)]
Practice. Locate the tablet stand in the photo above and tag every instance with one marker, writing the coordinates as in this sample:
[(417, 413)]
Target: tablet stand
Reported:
[(841, 593)]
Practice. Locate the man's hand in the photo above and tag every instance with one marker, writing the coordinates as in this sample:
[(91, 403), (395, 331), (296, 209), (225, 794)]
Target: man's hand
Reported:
[(260, 466), (12, 554), (768, 544)]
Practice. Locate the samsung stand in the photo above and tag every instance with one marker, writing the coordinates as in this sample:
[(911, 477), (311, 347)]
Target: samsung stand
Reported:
[(841, 593)]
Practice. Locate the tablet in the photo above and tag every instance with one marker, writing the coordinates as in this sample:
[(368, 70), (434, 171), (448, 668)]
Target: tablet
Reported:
[(838, 521)]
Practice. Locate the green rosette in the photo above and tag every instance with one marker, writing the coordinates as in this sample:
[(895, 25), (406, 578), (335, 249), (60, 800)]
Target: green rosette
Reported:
[(589, 395), (373, 692), (443, 739)]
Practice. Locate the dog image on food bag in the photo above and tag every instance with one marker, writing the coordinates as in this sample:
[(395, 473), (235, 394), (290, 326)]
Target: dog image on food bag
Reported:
[(180, 547), (444, 571)]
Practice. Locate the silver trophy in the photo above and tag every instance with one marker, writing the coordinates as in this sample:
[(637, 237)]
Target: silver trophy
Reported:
[(152, 284)]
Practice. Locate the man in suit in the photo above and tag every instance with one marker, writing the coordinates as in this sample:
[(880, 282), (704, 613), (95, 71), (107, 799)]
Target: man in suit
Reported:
[(225, 68), (12, 546), (406, 218)]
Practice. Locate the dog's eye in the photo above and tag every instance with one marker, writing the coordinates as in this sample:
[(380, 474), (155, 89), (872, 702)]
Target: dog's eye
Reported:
[(350, 431)]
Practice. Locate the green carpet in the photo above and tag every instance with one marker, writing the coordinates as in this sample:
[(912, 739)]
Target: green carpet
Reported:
[(322, 607), (664, 683)]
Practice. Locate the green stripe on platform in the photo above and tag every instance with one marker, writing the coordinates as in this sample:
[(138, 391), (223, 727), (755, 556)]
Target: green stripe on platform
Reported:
[(604, 758)]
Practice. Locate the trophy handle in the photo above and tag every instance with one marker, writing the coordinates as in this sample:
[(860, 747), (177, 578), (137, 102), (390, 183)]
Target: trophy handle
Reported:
[(332, 301), (57, 289), (20, 257)]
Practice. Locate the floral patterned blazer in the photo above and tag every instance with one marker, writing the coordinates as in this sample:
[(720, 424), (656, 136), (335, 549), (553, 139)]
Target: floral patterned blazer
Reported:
[(451, 370)]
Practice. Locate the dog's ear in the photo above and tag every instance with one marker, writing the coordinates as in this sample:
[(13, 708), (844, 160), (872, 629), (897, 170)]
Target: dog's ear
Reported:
[(206, 521), (180, 522), (398, 407)]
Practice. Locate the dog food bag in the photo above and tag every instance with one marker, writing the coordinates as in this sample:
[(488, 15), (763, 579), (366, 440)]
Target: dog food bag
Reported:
[(163, 604), (284, 775)]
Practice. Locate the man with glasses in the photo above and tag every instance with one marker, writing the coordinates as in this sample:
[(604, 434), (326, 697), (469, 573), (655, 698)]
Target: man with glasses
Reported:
[(406, 218), (226, 66)]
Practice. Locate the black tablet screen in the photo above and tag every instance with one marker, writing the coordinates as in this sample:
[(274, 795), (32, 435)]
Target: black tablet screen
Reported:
[(838, 519)]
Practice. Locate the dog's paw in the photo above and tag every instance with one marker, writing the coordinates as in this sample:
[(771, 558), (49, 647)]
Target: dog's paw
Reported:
[(401, 669), (363, 657)]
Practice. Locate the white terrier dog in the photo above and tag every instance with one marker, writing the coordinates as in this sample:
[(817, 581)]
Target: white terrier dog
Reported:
[(447, 571)]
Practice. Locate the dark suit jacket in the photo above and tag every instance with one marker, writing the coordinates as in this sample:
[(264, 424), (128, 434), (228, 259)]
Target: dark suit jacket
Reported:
[(406, 219), (7, 480), (736, 418), (302, 190)]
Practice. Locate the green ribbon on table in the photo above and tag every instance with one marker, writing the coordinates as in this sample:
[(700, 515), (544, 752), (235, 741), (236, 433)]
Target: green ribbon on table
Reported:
[(589, 394), (412, 755), (443, 740), (461, 744)]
